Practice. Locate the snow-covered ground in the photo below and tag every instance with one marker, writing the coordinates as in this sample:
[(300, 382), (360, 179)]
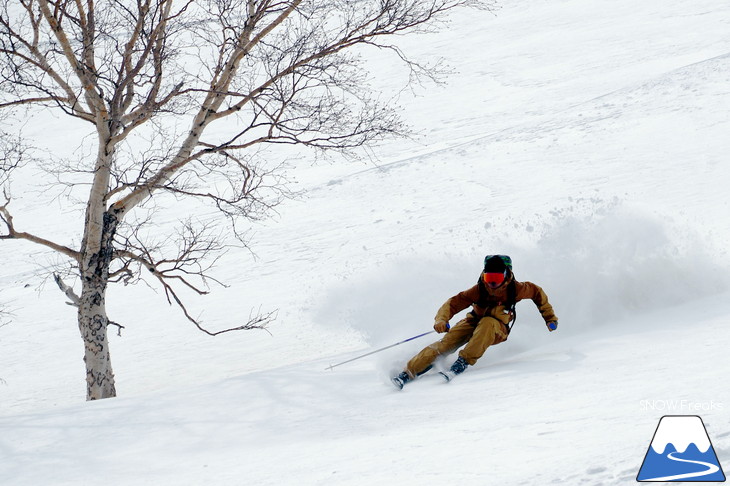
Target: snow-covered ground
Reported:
[(587, 139)]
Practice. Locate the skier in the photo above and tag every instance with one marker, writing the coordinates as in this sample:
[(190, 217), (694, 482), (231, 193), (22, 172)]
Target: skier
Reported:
[(493, 302)]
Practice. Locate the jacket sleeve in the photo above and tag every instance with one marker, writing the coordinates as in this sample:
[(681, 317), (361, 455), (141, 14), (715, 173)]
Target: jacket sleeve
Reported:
[(528, 290), (457, 303)]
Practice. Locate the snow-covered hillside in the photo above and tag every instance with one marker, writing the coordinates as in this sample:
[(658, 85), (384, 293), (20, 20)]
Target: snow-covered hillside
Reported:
[(586, 139)]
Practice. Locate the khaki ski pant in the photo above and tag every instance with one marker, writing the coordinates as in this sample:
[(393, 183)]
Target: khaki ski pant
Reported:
[(477, 337)]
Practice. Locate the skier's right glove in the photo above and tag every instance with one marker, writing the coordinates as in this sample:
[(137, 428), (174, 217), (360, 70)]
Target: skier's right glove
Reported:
[(552, 325), (441, 326)]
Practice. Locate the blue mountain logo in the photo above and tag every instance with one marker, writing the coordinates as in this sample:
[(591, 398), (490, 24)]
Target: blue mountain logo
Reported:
[(681, 451)]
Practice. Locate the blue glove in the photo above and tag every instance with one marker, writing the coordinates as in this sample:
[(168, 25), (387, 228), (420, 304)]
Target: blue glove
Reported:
[(552, 325), (441, 326)]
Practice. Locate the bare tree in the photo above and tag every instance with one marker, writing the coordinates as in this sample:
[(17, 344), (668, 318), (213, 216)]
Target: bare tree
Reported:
[(11, 155), (180, 95)]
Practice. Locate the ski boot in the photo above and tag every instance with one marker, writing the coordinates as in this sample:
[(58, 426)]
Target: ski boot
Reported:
[(400, 380), (456, 369)]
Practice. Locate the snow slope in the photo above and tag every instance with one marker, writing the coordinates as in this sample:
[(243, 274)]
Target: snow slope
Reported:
[(587, 139)]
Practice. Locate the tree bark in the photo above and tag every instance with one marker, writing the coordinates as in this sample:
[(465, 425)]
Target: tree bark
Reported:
[(92, 317)]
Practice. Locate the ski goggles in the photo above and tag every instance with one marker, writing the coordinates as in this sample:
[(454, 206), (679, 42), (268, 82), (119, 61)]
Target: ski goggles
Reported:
[(493, 279)]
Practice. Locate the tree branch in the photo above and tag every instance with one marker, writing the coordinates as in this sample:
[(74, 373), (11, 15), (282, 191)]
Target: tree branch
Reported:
[(211, 104), (96, 103), (74, 299), (7, 219), (29, 101), (166, 276), (40, 60)]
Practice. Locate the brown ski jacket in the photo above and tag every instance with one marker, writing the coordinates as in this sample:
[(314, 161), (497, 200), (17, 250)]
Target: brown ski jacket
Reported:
[(488, 302)]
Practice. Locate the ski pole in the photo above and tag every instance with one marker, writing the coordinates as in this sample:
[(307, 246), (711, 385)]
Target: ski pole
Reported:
[(381, 349)]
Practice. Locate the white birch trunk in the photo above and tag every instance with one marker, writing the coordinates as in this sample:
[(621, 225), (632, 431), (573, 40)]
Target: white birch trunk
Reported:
[(93, 324), (96, 255), (92, 317)]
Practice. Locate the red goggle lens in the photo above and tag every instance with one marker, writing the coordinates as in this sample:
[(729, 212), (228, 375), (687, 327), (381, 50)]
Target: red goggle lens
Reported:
[(493, 278)]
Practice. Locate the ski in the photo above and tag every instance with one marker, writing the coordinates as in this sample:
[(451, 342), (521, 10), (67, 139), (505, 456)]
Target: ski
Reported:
[(447, 375), (397, 382)]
